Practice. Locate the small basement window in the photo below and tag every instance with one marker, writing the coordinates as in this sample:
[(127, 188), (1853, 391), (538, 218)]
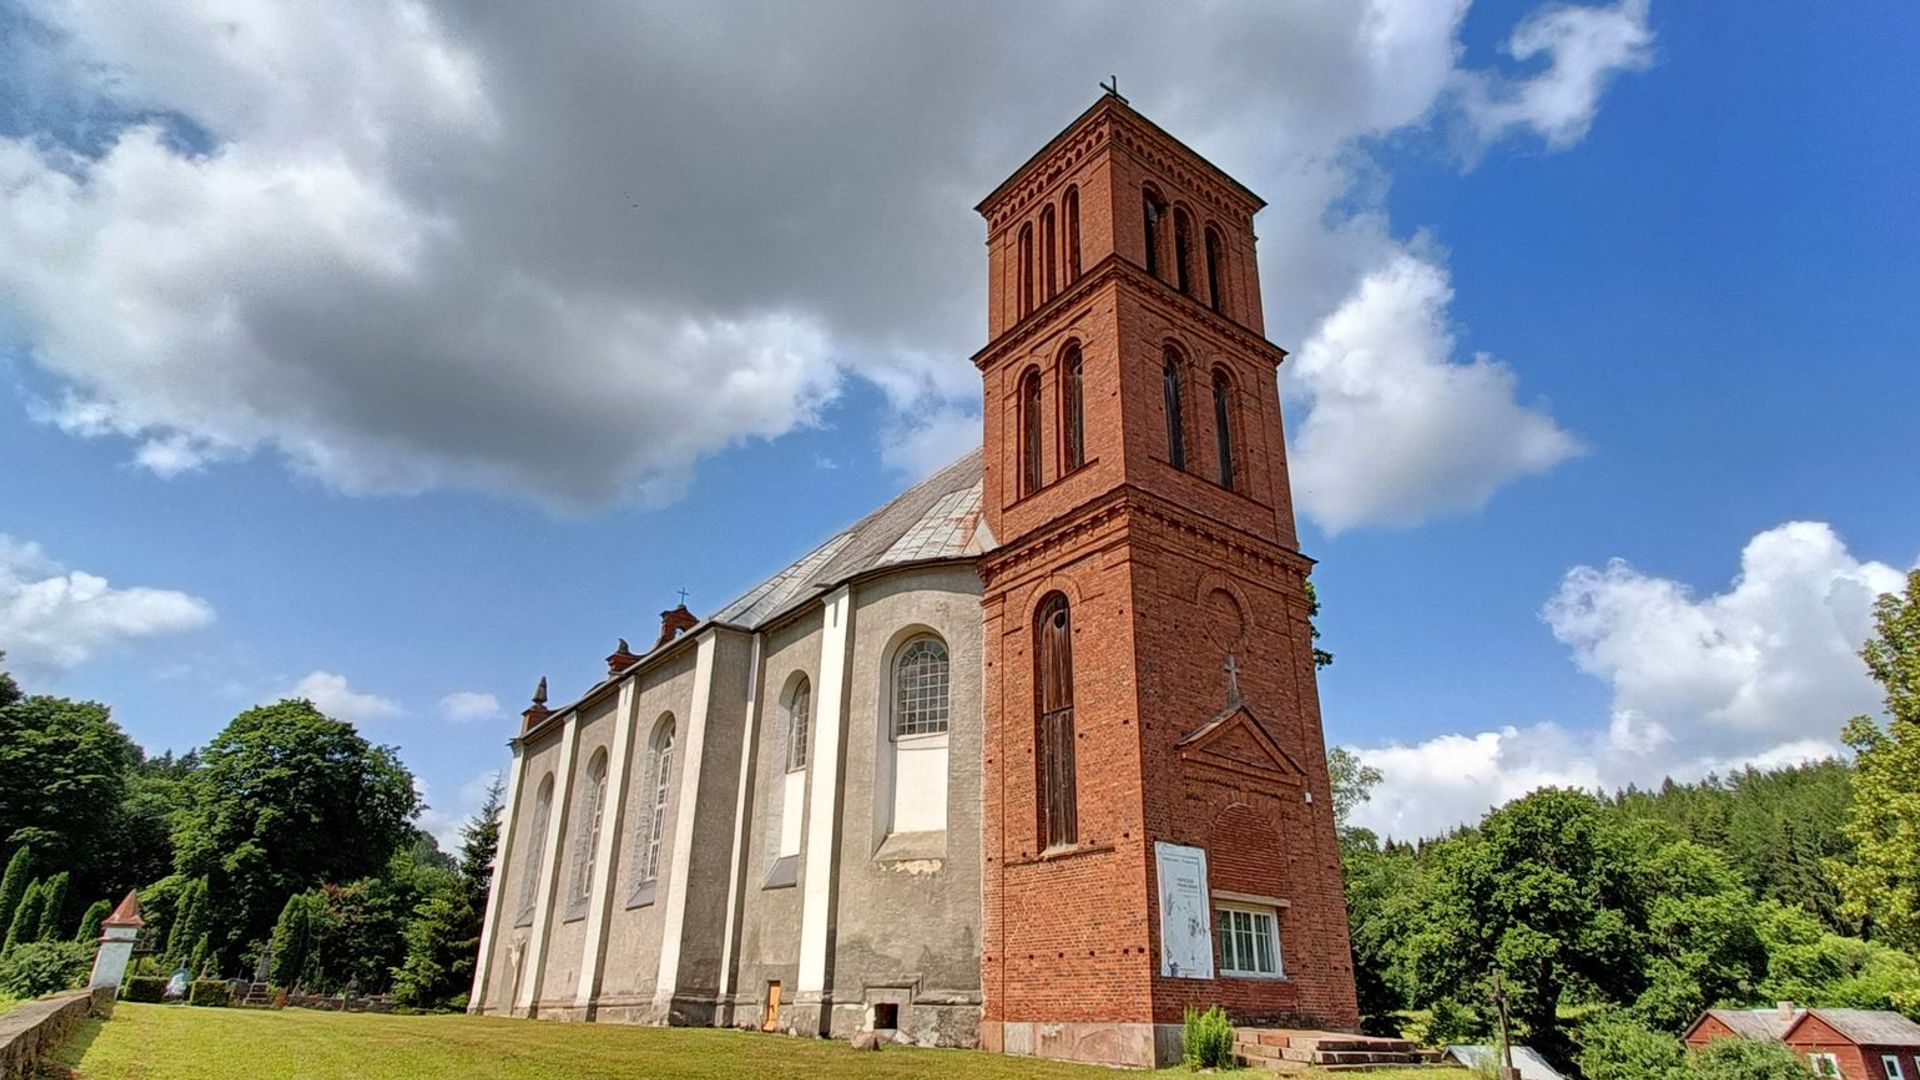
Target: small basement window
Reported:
[(886, 1016)]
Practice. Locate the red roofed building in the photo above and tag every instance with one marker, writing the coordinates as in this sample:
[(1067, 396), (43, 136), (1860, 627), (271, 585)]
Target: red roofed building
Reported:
[(1853, 1044)]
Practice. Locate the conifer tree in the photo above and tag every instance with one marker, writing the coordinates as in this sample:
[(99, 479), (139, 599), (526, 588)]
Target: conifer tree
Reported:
[(53, 895), (91, 922), (13, 887), (26, 917)]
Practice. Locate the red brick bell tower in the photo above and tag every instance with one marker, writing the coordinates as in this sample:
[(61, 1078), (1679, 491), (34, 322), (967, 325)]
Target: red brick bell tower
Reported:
[(1152, 725)]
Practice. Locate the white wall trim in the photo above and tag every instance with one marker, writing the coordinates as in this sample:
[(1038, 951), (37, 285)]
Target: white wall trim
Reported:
[(737, 870), (830, 719), (686, 803), (530, 986), (606, 853), (490, 923)]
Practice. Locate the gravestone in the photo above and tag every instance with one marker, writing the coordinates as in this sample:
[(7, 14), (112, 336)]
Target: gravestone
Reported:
[(117, 935)]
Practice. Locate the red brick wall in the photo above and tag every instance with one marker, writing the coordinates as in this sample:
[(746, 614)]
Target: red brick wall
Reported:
[(1144, 554)]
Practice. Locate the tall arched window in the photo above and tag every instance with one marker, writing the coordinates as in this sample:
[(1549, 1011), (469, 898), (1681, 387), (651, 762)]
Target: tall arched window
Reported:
[(799, 713), (586, 840), (1223, 426), (1070, 203), (651, 836), (1176, 415), (1053, 683), (1182, 251), (1050, 250), (1072, 407), (1026, 269), (1152, 209), (920, 688), (1031, 436), (536, 852), (1215, 265)]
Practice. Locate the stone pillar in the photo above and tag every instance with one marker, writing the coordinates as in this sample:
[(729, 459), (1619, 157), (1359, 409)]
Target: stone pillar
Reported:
[(818, 900), (533, 980), (687, 801), (117, 934)]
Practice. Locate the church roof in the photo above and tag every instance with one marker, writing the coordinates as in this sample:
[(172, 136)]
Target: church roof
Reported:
[(938, 518)]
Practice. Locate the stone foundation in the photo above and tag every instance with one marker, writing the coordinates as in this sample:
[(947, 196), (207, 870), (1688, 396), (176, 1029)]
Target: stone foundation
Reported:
[(31, 1033), (1095, 1042)]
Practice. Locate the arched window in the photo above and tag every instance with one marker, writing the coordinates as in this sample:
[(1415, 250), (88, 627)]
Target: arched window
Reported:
[(1072, 407), (1050, 248), (651, 836), (536, 852), (586, 841), (1152, 209), (1223, 426), (1026, 269), (799, 712), (1070, 202), (1182, 251), (1053, 683), (1031, 437), (920, 688), (1215, 264), (1176, 415)]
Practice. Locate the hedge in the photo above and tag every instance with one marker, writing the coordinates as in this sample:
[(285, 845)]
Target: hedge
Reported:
[(149, 988), (211, 992)]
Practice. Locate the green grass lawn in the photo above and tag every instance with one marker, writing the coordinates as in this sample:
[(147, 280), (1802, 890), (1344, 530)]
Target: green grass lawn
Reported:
[(174, 1042)]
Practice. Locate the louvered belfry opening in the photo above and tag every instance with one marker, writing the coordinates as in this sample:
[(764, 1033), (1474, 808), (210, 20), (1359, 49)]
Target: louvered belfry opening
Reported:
[(1054, 657)]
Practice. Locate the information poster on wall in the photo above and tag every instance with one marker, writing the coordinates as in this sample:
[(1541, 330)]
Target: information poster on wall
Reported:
[(1186, 919)]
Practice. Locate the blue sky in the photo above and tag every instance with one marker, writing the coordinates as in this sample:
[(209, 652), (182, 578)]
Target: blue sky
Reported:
[(416, 353)]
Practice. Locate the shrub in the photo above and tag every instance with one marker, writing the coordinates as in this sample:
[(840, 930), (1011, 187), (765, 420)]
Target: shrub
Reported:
[(1615, 1046), (42, 967), (1738, 1059), (1208, 1042), (148, 988), (209, 992)]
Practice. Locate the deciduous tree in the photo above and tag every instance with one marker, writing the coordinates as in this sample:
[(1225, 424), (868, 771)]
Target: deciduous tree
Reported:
[(1881, 882)]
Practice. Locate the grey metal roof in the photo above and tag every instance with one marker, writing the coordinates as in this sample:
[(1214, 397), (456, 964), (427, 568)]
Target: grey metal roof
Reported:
[(1871, 1027), (938, 518), (1763, 1024), (1529, 1063)]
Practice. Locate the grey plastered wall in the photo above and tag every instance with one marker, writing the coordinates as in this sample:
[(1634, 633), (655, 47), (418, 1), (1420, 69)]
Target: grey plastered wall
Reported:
[(768, 945), (632, 960), (566, 937), (703, 927), (908, 930), (542, 760)]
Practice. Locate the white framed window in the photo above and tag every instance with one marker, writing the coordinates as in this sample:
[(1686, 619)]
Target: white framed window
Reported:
[(799, 713), (1890, 1064), (1824, 1065), (920, 688), (1248, 940), (651, 834), (593, 808), (536, 852)]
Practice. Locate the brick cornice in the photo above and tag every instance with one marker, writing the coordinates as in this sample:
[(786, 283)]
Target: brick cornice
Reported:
[(1110, 513), (1116, 268)]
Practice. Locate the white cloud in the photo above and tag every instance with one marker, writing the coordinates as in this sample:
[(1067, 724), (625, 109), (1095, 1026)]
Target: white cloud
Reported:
[(445, 822), (463, 706), (53, 619), (564, 253), (1584, 47), (1763, 673), (1397, 429), (332, 696)]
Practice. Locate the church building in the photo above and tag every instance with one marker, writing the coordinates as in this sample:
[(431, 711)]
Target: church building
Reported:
[(1029, 758)]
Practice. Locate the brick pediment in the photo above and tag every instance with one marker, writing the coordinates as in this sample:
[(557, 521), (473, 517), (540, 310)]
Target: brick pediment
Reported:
[(1236, 741)]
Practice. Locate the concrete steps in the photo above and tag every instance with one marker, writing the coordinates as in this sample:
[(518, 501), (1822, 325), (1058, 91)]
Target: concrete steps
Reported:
[(1286, 1050)]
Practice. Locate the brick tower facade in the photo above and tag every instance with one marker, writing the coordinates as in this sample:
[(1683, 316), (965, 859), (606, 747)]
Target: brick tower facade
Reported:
[(1152, 725)]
